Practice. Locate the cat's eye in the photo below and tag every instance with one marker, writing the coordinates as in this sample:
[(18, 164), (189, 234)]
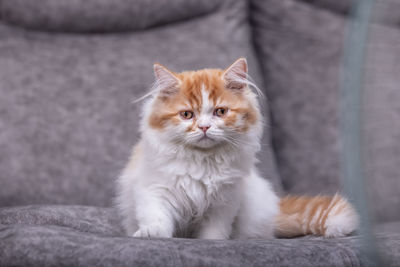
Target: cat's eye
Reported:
[(220, 112), (187, 114)]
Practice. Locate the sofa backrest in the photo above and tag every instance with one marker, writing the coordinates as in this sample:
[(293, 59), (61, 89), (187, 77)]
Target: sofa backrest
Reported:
[(69, 71), (300, 47)]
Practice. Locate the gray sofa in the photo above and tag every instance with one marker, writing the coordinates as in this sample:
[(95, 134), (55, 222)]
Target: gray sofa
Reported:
[(69, 70)]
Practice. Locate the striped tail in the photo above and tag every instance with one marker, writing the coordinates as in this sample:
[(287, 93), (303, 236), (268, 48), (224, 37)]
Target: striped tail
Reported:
[(321, 215)]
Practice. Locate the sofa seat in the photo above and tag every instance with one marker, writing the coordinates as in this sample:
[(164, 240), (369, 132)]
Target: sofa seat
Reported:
[(48, 235), (388, 227)]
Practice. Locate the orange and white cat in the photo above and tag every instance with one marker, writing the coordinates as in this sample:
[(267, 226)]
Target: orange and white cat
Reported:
[(193, 172)]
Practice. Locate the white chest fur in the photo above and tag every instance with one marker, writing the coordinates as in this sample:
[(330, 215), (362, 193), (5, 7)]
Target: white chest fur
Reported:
[(194, 181)]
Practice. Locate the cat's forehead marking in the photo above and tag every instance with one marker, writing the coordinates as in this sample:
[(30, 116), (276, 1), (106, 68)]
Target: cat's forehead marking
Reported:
[(191, 89), (196, 85), (206, 105)]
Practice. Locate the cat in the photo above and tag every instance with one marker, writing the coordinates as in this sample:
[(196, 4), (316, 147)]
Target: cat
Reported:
[(193, 174)]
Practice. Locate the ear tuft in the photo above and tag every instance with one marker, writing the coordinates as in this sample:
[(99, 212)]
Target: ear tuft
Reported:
[(235, 75), (167, 82)]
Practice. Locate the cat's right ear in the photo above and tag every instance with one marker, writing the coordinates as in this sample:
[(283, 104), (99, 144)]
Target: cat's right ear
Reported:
[(235, 75), (167, 82)]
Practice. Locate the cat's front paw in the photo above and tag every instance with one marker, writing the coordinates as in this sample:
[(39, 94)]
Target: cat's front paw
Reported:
[(153, 231)]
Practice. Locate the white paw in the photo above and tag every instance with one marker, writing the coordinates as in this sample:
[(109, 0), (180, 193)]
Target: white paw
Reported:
[(154, 230)]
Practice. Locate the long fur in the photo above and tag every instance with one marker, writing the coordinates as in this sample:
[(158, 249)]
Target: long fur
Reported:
[(184, 182)]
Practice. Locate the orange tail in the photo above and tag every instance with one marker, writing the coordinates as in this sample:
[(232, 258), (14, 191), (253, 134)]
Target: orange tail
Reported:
[(321, 215)]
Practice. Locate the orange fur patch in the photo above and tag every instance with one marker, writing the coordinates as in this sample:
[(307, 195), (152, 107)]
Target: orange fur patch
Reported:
[(306, 215), (135, 155)]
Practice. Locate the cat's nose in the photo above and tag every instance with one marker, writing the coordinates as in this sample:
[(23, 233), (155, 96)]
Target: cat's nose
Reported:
[(204, 128)]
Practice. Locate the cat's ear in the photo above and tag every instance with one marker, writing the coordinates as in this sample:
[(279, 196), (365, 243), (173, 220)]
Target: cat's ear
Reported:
[(167, 81), (235, 76)]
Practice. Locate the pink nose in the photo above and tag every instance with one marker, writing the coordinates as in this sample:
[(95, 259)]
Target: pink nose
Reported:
[(204, 128)]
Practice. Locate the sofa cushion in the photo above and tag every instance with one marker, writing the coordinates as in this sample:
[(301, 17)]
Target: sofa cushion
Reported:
[(66, 115), (302, 93), (100, 15), (95, 220), (90, 236), (300, 47)]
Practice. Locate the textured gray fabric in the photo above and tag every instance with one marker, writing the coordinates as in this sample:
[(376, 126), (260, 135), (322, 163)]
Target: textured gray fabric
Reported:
[(100, 15), (88, 236), (382, 120), (54, 246), (300, 66), (95, 220), (300, 62), (66, 118), (337, 6), (389, 227)]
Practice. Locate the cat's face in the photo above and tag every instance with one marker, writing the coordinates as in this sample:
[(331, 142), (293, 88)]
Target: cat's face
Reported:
[(204, 108)]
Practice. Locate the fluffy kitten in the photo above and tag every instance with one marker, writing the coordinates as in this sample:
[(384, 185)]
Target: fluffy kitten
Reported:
[(193, 172)]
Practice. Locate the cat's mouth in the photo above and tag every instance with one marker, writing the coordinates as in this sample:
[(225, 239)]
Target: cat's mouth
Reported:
[(205, 137), (205, 142)]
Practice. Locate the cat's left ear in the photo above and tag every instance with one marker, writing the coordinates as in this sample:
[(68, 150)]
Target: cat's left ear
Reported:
[(167, 81), (235, 76)]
